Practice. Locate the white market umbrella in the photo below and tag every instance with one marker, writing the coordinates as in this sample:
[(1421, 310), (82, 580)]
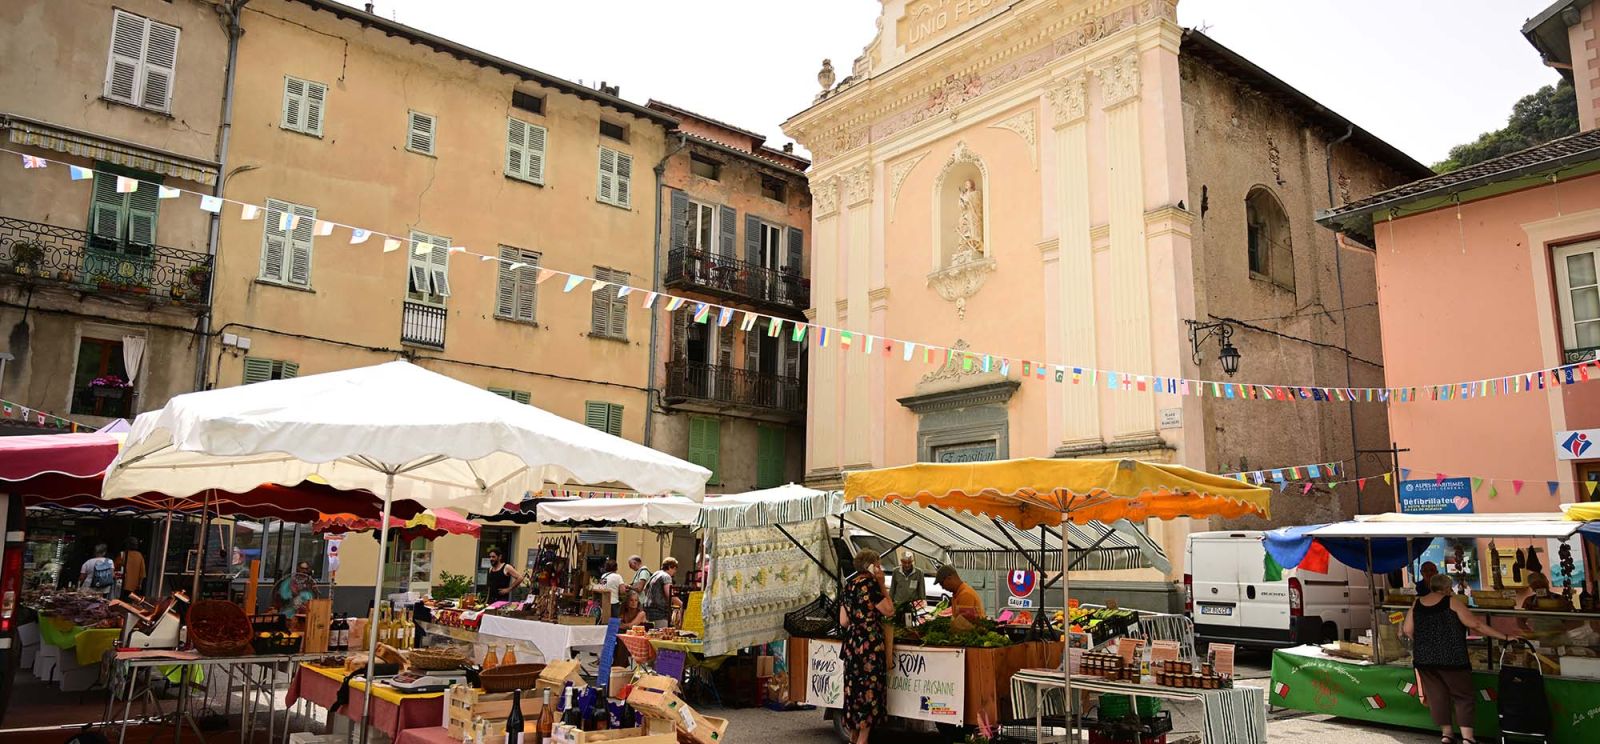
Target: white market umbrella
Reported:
[(394, 429), (665, 511), (786, 504)]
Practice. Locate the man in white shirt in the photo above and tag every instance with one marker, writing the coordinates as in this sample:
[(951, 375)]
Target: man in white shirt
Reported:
[(98, 574), (611, 581), (641, 574)]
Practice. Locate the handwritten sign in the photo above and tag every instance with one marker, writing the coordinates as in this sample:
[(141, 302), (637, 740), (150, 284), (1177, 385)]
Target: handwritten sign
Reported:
[(1222, 658), (927, 684), (1128, 648), (1163, 651)]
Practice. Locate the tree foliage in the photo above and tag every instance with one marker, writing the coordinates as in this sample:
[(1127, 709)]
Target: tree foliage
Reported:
[(1548, 113)]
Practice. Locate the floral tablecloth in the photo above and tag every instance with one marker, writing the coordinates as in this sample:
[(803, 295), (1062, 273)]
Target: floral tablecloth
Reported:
[(757, 576)]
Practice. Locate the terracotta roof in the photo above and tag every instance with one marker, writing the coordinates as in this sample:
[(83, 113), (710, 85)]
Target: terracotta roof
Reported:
[(1541, 160), (668, 108)]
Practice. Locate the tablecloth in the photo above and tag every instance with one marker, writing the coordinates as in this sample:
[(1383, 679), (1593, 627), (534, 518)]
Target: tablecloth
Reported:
[(392, 710), (1235, 716), (434, 735), (89, 644), (554, 641)]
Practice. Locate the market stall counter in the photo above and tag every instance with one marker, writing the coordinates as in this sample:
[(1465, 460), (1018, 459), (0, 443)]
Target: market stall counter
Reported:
[(392, 711)]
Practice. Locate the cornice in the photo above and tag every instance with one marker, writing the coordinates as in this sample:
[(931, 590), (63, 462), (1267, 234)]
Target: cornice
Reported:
[(944, 400), (1049, 249)]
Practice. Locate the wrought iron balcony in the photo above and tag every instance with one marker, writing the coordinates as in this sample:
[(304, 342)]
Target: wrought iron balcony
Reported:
[(1577, 356), (422, 325), (715, 388), (742, 281), (51, 255)]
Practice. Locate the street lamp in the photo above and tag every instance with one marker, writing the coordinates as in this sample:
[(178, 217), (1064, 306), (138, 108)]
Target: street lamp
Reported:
[(1227, 353)]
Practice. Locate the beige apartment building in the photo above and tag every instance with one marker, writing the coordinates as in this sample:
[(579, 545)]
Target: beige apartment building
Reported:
[(104, 263), (1086, 184)]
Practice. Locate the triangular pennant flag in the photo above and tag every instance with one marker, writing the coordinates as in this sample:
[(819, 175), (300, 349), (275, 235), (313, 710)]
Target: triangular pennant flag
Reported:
[(1516, 487), (573, 280), (249, 212), (212, 204), (126, 185), (799, 333), (1438, 478), (1553, 486), (1388, 478), (598, 285), (359, 236), (34, 161), (168, 192), (1476, 483), (1493, 491), (1005, 367), (749, 322), (79, 173), (775, 327), (702, 312), (543, 275), (650, 299), (675, 303), (421, 248), (1308, 488), (1405, 474), (1361, 485), (391, 245), (1591, 486), (323, 227)]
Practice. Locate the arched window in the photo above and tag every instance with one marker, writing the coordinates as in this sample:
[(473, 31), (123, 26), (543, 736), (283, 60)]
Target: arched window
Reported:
[(1271, 254)]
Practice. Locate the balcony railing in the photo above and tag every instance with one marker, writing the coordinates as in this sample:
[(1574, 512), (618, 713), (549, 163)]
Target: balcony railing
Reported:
[(1577, 356), (62, 256), (422, 325), (726, 387), (732, 279)]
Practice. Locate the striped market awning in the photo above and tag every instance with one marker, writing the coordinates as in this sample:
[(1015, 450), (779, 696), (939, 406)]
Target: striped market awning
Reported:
[(21, 131), (973, 542)]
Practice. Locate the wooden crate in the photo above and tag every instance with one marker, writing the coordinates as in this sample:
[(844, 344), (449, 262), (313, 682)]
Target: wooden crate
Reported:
[(624, 736), (707, 730), (319, 621), (467, 704)]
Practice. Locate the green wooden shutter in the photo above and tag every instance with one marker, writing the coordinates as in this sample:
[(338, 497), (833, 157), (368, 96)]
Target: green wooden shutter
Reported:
[(796, 243), (257, 369), (705, 445), (502, 392), (618, 327), (289, 370), (294, 104), (727, 225), (316, 95), (608, 176), (143, 204), (594, 415), (516, 145), (274, 242), (106, 208), (752, 240), (614, 419), (522, 396), (769, 457), (300, 239), (624, 180), (679, 228)]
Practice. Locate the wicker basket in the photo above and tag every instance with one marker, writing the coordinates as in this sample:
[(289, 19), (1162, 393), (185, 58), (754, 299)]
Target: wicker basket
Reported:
[(435, 659), (219, 628), (509, 678)]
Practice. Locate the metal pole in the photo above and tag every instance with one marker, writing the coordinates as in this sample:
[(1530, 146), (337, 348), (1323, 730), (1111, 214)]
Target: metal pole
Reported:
[(377, 596), (161, 559)]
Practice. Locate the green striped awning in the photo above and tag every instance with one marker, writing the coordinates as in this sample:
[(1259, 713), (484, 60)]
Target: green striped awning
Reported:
[(85, 145)]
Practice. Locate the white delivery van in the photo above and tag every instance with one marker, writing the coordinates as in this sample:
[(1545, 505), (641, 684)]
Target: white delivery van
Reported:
[(1230, 600)]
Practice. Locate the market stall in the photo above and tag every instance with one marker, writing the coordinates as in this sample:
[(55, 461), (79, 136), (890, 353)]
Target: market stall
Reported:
[(1029, 493), (1488, 555)]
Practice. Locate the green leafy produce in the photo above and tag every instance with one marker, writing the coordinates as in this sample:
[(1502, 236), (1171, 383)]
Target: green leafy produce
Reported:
[(938, 632)]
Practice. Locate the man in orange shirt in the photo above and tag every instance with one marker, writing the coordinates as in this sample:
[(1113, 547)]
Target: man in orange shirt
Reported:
[(965, 601)]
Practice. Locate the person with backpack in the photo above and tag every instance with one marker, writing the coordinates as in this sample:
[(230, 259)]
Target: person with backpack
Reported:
[(99, 573)]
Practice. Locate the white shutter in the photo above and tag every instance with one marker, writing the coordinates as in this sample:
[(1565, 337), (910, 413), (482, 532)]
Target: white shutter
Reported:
[(316, 96), (419, 279), (608, 175), (619, 305), (300, 246), (419, 135), (535, 153), (528, 287), (294, 104), (505, 292), (160, 66), (440, 270), (516, 143), (274, 242), (624, 176), (126, 57)]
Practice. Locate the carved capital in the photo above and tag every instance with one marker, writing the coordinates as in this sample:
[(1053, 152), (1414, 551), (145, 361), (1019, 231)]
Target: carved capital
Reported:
[(824, 197), (858, 184), (960, 281), (878, 298), (1026, 127), (1069, 100), (897, 176), (1119, 78)]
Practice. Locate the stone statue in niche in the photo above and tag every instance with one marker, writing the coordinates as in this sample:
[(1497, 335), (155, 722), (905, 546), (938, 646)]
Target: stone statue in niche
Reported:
[(969, 225)]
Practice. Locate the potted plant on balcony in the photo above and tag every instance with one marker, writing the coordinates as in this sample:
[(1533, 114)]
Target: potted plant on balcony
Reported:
[(26, 255), (109, 386), (103, 281), (199, 274), (179, 293)]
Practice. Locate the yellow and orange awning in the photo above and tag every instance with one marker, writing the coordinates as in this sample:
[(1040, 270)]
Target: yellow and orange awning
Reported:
[(1031, 492)]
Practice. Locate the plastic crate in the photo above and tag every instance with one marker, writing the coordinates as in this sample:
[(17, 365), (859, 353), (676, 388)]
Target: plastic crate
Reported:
[(1120, 706), (1022, 730), (1144, 728)]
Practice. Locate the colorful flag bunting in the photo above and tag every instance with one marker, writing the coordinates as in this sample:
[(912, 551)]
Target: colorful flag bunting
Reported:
[(211, 204), (249, 212), (126, 185), (325, 228), (702, 312), (597, 286), (650, 299), (79, 173), (391, 245), (33, 161), (573, 280), (168, 192), (907, 352), (799, 333)]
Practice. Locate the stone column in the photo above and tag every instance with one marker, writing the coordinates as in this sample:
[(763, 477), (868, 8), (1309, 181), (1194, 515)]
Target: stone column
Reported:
[(822, 407), (857, 257), (1075, 264), (1133, 415)]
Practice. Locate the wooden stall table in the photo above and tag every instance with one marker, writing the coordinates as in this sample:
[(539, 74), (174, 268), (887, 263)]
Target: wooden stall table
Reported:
[(393, 711)]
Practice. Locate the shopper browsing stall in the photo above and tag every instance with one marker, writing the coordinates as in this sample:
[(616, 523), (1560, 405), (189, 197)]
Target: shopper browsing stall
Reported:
[(98, 573), (657, 593), (1437, 624), (861, 611), (611, 582), (502, 577), (641, 574)]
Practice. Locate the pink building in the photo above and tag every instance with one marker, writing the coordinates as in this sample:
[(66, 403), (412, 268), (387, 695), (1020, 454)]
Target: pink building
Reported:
[(1491, 270)]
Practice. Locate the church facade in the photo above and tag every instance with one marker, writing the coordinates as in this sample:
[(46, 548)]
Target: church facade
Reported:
[(1081, 183)]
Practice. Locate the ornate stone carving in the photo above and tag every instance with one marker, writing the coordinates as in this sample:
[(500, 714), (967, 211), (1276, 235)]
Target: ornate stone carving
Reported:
[(1275, 159), (1024, 124), (897, 176), (858, 184), (962, 279), (969, 224), (1069, 100), (824, 197), (825, 76), (951, 369), (1119, 78)]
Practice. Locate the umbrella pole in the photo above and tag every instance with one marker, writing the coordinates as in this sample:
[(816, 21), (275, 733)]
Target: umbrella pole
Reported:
[(161, 558), (377, 596)]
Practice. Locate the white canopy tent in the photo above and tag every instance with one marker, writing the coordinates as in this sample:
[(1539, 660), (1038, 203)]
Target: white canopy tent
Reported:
[(664, 511), (1428, 526), (394, 429)]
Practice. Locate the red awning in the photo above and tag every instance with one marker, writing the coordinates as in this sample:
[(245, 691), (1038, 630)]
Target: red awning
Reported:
[(80, 455), (430, 525)]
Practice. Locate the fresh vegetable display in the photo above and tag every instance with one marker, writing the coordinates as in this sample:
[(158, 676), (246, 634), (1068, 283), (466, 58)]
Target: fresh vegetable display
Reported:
[(1101, 623), (942, 631)]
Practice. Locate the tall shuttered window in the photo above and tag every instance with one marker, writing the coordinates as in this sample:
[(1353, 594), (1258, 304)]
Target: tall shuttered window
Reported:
[(257, 369), (520, 396), (421, 130), (303, 102), (705, 445), (286, 243), (428, 274), (525, 150), (516, 291), (122, 210), (616, 178), (608, 311), (769, 457), (606, 417), (143, 61)]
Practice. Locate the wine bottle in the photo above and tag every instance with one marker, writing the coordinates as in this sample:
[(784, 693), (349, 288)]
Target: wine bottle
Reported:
[(514, 724), (570, 714), (547, 717)]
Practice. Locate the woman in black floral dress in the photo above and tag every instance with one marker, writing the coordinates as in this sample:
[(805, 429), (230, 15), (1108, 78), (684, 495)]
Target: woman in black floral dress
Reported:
[(866, 672)]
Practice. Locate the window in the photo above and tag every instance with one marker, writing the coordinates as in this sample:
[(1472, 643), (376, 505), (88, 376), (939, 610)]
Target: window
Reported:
[(257, 369), (520, 396), (419, 132), (702, 227), (614, 131), (143, 61), (525, 151), (1267, 239), (705, 445), (124, 221), (772, 187), (527, 102), (704, 167), (516, 292), (608, 312), (302, 105), (769, 457), (606, 417), (286, 243), (99, 359), (771, 254), (616, 176), (428, 275), (1578, 285)]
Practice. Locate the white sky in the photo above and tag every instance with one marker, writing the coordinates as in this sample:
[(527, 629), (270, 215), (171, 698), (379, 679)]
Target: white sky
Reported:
[(1425, 75)]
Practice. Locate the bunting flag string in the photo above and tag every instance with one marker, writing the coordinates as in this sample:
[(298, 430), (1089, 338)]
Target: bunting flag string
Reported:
[(12, 412), (964, 359)]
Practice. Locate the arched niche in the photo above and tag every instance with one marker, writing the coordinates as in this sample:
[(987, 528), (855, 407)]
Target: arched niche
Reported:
[(961, 217)]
